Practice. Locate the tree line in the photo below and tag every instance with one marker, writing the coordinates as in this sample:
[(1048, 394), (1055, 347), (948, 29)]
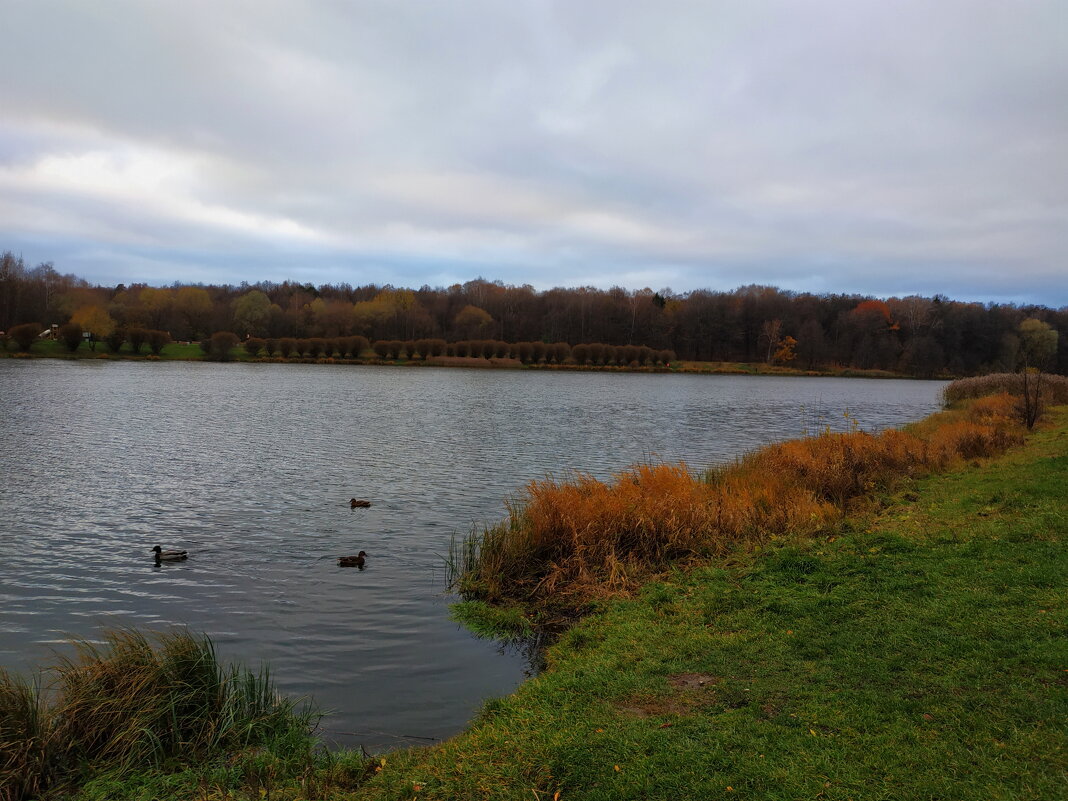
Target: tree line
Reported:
[(916, 335)]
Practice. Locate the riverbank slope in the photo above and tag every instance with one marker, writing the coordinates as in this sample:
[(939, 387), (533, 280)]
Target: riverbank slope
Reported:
[(918, 652)]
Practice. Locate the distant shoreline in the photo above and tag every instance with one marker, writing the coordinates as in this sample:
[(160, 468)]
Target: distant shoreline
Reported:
[(191, 353)]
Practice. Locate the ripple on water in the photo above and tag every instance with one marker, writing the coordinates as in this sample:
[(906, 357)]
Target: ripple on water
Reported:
[(250, 468)]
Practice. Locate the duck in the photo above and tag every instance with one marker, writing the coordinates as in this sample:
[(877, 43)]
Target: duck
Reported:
[(351, 561), (169, 556), (355, 504)]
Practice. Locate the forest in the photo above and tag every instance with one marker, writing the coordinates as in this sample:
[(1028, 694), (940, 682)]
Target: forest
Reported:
[(921, 336)]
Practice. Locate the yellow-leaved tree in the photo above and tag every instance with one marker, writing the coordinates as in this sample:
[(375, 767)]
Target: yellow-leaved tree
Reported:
[(95, 321)]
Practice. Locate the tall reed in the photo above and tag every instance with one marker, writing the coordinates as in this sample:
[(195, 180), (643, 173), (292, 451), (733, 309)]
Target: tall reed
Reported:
[(564, 542), (25, 739), (134, 703), (1056, 387)]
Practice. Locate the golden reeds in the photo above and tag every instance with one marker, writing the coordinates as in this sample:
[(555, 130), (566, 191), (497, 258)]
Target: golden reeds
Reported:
[(566, 541)]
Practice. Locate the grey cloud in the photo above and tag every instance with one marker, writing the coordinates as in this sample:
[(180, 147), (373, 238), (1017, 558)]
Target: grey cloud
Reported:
[(865, 146)]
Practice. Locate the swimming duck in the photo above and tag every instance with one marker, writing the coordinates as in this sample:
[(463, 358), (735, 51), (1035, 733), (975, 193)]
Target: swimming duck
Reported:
[(355, 504), (169, 556), (351, 561)]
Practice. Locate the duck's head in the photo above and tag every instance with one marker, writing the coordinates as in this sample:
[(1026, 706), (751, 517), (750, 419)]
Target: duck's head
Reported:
[(157, 550)]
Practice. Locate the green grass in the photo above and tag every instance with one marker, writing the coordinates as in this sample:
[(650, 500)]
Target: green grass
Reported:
[(919, 653), (54, 349)]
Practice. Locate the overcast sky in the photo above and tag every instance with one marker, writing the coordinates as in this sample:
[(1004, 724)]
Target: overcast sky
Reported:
[(870, 146)]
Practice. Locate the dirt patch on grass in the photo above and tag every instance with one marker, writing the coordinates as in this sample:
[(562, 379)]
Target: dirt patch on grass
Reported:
[(692, 681), (690, 691), (645, 707)]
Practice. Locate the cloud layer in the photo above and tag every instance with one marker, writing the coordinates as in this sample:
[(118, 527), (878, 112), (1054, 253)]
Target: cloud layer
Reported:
[(890, 148)]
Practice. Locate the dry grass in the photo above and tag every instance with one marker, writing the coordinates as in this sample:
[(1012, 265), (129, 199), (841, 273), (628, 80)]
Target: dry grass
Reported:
[(25, 739), (130, 704), (1055, 387), (565, 542)]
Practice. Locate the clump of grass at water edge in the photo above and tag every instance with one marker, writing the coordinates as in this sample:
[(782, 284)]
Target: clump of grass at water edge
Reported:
[(148, 707)]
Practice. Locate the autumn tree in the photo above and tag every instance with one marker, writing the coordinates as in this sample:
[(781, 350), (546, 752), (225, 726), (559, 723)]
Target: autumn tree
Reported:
[(471, 322), (769, 335), (1038, 343), (193, 304), (1038, 346), (95, 321), (156, 305), (251, 313), (785, 350)]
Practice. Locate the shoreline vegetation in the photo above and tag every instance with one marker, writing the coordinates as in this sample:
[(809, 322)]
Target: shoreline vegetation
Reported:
[(844, 616), (1031, 343), (192, 352), (569, 543), (914, 335)]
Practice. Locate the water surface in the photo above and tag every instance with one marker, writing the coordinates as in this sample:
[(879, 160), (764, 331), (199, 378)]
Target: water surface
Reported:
[(250, 467)]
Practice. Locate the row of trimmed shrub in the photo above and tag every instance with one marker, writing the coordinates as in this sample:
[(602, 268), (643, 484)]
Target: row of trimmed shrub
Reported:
[(220, 344), (565, 542), (315, 347), (72, 336), (422, 349)]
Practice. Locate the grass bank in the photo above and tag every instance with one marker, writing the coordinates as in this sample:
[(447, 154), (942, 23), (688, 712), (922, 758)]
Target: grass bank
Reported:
[(567, 543), (914, 650)]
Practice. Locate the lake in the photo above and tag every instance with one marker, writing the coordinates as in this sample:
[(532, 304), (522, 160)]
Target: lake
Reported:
[(251, 466)]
